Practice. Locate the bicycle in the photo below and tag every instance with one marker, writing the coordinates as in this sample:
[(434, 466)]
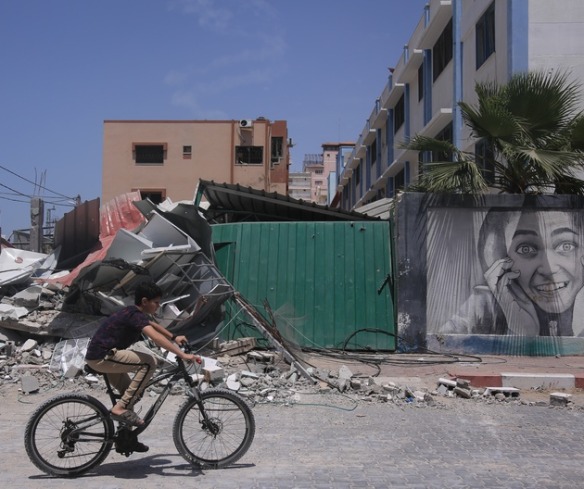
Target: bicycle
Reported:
[(73, 433)]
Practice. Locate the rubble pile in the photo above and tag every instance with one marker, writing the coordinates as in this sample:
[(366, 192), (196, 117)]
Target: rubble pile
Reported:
[(260, 376)]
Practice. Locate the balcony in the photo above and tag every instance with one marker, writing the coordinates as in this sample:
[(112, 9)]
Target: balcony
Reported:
[(440, 14), (379, 116), (393, 96), (442, 117), (410, 70)]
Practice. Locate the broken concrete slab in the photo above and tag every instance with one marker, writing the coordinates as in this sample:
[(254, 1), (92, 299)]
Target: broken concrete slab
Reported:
[(29, 384), (560, 399)]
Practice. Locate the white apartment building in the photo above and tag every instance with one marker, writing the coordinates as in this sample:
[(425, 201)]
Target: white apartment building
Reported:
[(455, 44)]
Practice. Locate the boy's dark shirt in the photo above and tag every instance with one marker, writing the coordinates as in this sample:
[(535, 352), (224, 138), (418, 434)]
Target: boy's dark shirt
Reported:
[(120, 330)]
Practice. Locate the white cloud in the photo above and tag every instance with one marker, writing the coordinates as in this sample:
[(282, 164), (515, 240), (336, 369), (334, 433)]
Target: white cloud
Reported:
[(209, 14)]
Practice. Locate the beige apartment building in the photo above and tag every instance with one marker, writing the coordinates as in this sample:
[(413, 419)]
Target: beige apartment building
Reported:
[(166, 159)]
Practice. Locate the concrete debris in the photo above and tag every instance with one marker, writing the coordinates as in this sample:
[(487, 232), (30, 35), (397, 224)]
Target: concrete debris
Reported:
[(259, 376), (560, 399)]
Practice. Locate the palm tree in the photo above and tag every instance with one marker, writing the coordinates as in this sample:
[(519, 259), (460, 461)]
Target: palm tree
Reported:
[(533, 135)]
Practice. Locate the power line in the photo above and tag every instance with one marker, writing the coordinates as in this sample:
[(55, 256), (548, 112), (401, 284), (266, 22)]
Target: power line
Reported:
[(15, 200), (36, 184), (15, 191)]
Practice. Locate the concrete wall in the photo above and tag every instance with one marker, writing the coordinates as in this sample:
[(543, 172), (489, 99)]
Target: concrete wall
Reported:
[(494, 274)]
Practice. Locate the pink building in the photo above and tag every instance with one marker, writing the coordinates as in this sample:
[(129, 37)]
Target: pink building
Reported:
[(166, 159)]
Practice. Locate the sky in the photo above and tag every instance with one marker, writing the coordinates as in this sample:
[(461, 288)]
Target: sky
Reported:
[(68, 65)]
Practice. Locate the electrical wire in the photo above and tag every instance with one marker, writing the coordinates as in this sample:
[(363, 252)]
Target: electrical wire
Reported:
[(36, 184)]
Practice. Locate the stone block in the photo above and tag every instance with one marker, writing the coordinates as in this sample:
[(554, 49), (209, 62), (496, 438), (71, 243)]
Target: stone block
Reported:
[(29, 345), (29, 384), (560, 399), (213, 374)]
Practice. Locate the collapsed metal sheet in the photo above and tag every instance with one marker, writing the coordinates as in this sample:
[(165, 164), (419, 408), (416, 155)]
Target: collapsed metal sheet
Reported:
[(17, 266), (158, 250)]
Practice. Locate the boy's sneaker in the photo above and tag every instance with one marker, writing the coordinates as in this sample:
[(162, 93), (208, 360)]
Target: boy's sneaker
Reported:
[(140, 447)]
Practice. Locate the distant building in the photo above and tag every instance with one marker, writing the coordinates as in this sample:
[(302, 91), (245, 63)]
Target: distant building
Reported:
[(166, 159), (319, 170), (454, 45), (299, 185)]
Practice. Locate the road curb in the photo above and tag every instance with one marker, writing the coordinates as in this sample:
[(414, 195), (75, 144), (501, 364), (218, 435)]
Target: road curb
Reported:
[(522, 380)]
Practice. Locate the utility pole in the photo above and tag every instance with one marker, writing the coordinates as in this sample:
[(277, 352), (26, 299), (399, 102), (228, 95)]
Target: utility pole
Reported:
[(36, 224)]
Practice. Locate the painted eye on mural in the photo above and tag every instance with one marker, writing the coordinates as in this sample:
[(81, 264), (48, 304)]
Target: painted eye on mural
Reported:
[(526, 249), (565, 247)]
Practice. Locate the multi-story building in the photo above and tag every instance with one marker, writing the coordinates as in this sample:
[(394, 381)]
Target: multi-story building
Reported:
[(166, 159), (299, 185), (455, 44), (317, 181)]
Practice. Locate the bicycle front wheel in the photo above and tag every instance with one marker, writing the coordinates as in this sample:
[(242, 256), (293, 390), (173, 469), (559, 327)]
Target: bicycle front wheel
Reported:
[(218, 437), (69, 434)]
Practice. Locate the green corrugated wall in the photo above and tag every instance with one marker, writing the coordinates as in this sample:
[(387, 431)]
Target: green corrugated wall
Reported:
[(321, 279)]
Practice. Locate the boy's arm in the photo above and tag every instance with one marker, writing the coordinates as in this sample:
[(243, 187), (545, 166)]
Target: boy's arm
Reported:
[(167, 334), (162, 340)]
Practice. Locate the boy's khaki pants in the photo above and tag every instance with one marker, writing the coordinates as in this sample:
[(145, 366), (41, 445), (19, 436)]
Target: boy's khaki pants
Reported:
[(118, 365)]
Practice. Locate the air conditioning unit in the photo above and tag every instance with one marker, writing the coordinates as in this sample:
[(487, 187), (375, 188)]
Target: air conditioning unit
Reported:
[(245, 123)]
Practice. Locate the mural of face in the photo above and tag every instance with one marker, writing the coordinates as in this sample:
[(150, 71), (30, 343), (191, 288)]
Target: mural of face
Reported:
[(547, 249)]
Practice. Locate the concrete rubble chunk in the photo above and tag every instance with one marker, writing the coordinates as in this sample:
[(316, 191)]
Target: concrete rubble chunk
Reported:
[(505, 391), (449, 383), (560, 399), (213, 373), (29, 345), (237, 347), (462, 392), (345, 372), (29, 384)]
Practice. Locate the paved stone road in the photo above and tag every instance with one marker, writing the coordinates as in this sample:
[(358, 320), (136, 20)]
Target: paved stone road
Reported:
[(331, 443)]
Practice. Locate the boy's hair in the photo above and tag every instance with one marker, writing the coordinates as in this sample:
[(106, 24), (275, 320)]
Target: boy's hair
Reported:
[(146, 290)]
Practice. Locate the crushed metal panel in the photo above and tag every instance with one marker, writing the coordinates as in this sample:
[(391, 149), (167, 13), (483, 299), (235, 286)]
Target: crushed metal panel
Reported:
[(120, 213), (162, 233), (17, 266), (127, 246)]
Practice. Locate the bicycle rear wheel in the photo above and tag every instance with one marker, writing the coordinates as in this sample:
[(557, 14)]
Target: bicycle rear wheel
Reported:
[(69, 434), (220, 439)]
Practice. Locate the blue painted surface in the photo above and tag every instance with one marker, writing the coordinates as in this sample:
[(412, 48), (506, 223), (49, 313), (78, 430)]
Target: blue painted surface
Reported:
[(427, 81), (517, 37), (457, 74)]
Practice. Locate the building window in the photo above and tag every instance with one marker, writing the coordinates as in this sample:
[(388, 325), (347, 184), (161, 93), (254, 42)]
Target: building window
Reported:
[(373, 152), (485, 158), (277, 152), (442, 51), (485, 35), (399, 181), (399, 114), (249, 155), (319, 171), (421, 82), (149, 154), (358, 174), (444, 135), (155, 196), (187, 152)]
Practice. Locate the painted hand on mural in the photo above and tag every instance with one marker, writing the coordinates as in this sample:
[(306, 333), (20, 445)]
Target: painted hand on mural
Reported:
[(517, 307)]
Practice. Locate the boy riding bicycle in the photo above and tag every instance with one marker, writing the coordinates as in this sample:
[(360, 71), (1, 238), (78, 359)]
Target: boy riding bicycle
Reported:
[(108, 351)]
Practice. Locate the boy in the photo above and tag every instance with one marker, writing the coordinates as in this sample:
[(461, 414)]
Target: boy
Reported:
[(107, 351)]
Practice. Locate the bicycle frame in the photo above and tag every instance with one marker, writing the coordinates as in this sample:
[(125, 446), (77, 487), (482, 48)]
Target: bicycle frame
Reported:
[(177, 372)]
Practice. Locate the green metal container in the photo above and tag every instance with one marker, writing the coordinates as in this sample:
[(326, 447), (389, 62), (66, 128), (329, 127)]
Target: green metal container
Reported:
[(320, 280)]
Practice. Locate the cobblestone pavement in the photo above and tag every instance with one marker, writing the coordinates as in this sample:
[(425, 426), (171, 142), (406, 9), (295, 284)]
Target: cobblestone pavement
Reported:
[(331, 442)]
